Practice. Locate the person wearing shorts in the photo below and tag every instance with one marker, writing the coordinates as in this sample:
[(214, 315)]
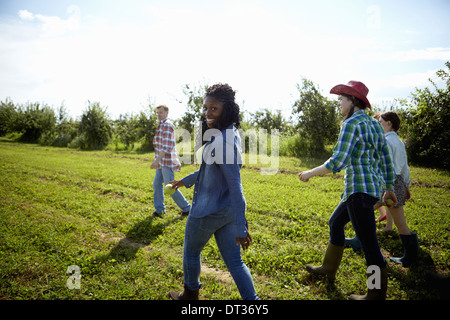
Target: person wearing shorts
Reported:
[(390, 122)]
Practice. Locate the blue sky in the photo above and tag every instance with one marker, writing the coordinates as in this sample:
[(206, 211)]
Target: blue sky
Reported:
[(123, 53)]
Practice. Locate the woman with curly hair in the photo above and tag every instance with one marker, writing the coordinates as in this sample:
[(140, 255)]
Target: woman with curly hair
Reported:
[(218, 204)]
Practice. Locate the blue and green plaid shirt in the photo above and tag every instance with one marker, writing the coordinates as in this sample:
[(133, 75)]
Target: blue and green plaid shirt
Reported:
[(362, 150)]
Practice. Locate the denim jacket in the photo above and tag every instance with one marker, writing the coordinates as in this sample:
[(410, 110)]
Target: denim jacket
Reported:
[(218, 181)]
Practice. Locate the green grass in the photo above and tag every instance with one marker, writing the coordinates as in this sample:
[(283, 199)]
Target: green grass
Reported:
[(62, 207)]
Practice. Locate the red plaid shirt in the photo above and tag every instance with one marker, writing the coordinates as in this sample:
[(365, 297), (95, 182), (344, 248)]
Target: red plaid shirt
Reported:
[(164, 140)]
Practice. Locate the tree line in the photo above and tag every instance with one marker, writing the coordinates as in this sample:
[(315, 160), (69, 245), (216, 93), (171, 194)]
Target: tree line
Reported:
[(312, 126), (94, 130)]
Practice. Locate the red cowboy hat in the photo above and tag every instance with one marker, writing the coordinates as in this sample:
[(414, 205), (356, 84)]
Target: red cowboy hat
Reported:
[(353, 88)]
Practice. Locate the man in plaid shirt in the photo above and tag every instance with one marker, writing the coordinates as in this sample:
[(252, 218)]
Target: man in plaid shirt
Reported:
[(166, 162)]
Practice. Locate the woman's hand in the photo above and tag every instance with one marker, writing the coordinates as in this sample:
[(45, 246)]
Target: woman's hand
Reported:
[(176, 184), (305, 175), (390, 195), (244, 242)]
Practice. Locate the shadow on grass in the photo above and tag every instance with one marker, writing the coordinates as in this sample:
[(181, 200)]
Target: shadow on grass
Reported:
[(140, 235), (420, 281), (323, 285)]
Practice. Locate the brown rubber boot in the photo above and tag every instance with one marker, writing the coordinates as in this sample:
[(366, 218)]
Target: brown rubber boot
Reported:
[(185, 295), (375, 294), (330, 264)]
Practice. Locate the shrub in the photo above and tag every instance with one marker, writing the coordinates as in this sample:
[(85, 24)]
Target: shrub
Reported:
[(126, 129), (426, 124), (295, 146), (147, 125), (95, 127), (8, 115), (34, 122), (194, 105), (317, 117)]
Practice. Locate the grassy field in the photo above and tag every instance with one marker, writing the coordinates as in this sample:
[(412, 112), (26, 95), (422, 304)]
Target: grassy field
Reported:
[(61, 207)]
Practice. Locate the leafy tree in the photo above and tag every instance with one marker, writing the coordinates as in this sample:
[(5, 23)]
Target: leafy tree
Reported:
[(66, 128), (127, 128), (317, 117), (147, 122), (95, 127), (34, 121), (194, 106), (8, 116), (266, 119), (426, 125)]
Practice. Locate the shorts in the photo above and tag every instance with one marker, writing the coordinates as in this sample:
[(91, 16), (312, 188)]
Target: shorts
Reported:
[(400, 191)]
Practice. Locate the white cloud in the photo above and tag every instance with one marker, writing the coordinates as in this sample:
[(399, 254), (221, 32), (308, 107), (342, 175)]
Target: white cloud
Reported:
[(442, 54), (383, 91), (415, 79), (26, 15), (121, 62), (54, 26)]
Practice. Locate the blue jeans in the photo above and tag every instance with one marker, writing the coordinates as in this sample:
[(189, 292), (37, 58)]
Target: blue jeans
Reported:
[(359, 210), (197, 233), (164, 176)]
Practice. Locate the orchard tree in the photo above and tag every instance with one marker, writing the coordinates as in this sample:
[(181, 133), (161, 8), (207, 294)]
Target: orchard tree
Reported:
[(266, 119), (127, 127), (194, 106), (95, 127), (146, 126), (426, 125), (66, 128), (8, 116), (34, 121), (317, 116)]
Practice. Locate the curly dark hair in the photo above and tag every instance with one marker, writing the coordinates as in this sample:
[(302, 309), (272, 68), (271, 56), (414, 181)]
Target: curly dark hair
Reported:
[(231, 111)]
